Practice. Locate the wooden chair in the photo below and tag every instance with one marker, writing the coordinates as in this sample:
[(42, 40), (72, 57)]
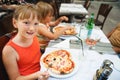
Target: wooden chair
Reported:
[(103, 11), (3, 40), (87, 4), (82, 16), (6, 25)]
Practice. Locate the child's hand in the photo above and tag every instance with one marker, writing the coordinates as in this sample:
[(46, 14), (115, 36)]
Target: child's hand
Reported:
[(43, 75), (63, 18)]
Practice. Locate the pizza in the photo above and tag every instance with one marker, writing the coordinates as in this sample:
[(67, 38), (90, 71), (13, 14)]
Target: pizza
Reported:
[(90, 41), (59, 62), (71, 31)]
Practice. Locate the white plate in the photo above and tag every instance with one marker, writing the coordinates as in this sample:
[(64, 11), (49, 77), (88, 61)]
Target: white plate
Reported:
[(57, 27), (67, 35), (60, 75)]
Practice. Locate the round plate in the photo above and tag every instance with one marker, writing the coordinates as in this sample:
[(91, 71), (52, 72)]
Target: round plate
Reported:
[(68, 35), (63, 35), (54, 29), (60, 75)]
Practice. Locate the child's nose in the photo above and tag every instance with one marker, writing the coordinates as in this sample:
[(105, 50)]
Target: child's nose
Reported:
[(31, 27)]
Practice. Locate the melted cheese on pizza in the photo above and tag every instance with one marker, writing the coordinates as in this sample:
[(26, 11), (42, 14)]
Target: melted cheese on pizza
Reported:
[(71, 31), (60, 60)]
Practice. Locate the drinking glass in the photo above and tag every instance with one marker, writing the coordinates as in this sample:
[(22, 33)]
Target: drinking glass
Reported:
[(91, 42)]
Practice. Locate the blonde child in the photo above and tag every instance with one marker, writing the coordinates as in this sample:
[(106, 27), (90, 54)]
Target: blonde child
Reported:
[(45, 35), (21, 55)]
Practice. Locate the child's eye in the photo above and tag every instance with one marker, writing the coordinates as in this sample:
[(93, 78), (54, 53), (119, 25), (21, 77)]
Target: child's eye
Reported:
[(26, 22), (36, 24)]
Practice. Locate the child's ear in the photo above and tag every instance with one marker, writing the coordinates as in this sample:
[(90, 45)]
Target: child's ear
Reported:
[(14, 21)]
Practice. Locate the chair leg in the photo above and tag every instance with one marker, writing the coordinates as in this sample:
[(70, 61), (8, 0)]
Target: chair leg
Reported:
[(102, 26)]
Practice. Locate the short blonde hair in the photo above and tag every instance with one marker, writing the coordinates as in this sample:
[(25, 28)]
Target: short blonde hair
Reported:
[(25, 11), (44, 9)]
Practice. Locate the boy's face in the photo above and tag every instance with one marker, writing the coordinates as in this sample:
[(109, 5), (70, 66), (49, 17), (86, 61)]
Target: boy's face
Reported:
[(27, 27)]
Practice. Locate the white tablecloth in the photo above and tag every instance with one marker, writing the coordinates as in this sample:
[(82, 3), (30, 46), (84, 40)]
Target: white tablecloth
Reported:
[(88, 64), (91, 61), (72, 9)]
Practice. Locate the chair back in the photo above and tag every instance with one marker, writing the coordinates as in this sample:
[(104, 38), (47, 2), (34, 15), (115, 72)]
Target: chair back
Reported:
[(6, 25), (3, 40), (87, 4), (103, 11)]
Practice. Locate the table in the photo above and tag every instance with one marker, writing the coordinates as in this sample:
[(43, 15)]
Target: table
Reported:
[(92, 59), (72, 9)]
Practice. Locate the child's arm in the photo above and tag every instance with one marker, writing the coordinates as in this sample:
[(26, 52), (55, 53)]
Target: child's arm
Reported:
[(45, 32), (59, 20), (10, 58)]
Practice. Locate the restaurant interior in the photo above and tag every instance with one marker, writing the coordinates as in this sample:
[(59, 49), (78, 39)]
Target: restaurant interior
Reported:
[(106, 17)]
